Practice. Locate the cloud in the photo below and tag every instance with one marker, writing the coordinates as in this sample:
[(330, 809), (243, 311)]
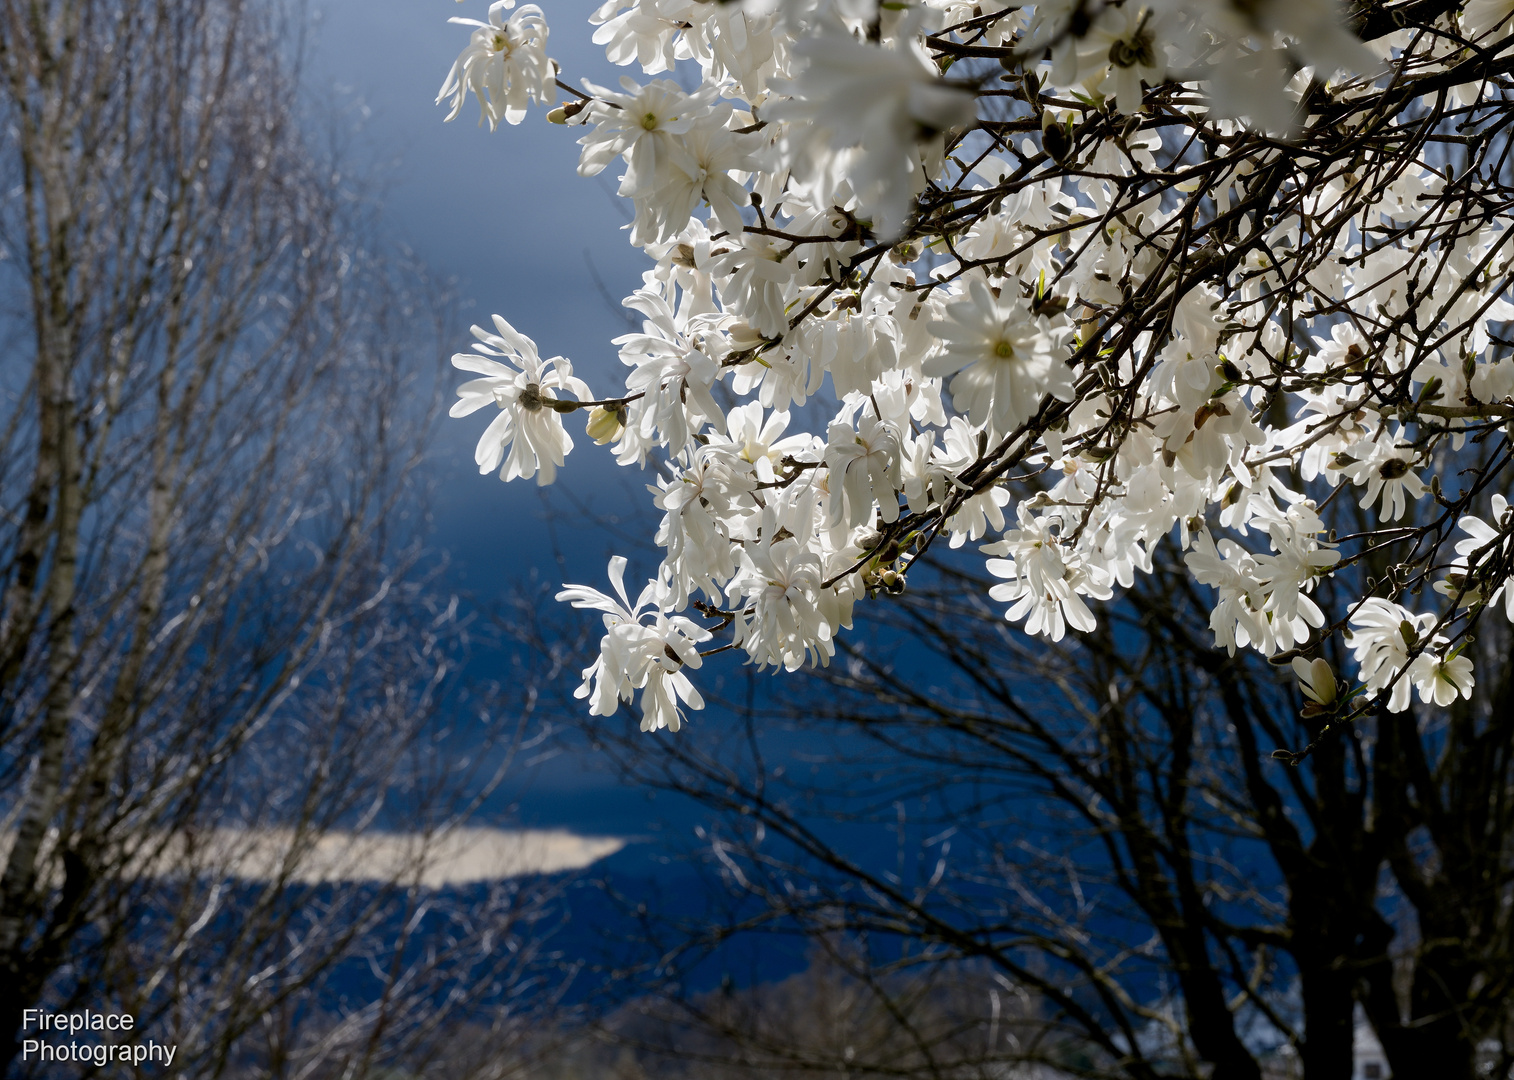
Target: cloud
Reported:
[(454, 857)]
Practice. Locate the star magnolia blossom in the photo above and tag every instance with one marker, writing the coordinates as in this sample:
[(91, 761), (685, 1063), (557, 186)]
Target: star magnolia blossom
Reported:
[(1082, 284), (505, 66), (639, 655), (528, 433)]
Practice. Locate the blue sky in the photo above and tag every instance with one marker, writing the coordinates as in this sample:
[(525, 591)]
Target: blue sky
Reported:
[(507, 216), (504, 213)]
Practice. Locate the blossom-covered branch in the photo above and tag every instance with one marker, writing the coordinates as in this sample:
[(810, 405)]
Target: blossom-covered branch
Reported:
[(1072, 279)]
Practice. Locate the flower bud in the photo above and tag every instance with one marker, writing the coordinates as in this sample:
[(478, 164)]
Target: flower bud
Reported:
[(744, 336), (1049, 305), (1057, 142), (605, 425), (1316, 679), (902, 254)]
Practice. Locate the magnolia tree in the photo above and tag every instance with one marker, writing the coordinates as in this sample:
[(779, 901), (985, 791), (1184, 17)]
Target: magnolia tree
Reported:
[(1085, 277)]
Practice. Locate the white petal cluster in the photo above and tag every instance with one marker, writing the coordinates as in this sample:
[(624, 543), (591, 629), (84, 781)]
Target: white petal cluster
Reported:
[(528, 434), (1398, 649), (637, 654), (1483, 570), (1006, 357), (1045, 581), (1046, 278), (505, 66), (865, 113)]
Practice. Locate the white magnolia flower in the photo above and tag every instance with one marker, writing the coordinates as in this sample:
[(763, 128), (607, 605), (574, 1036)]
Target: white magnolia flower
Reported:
[(1316, 680), (1386, 469), (740, 43), (977, 513), (1045, 581), (672, 372), (528, 434), (704, 505), (1287, 575), (752, 278), (757, 441), (1007, 358), (505, 66), (1382, 635), (643, 33), (864, 469), (640, 125), (639, 655), (1231, 571), (1123, 46), (783, 621), (696, 169), (1480, 18), (1440, 680), (1210, 439), (873, 105), (1486, 545)]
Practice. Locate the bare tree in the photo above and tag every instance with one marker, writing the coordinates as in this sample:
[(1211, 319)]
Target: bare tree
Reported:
[(1196, 871), (838, 1017), (222, 655), (1120, 828)]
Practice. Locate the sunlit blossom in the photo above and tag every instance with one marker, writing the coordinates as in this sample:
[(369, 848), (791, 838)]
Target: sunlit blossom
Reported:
[(940, 273)]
